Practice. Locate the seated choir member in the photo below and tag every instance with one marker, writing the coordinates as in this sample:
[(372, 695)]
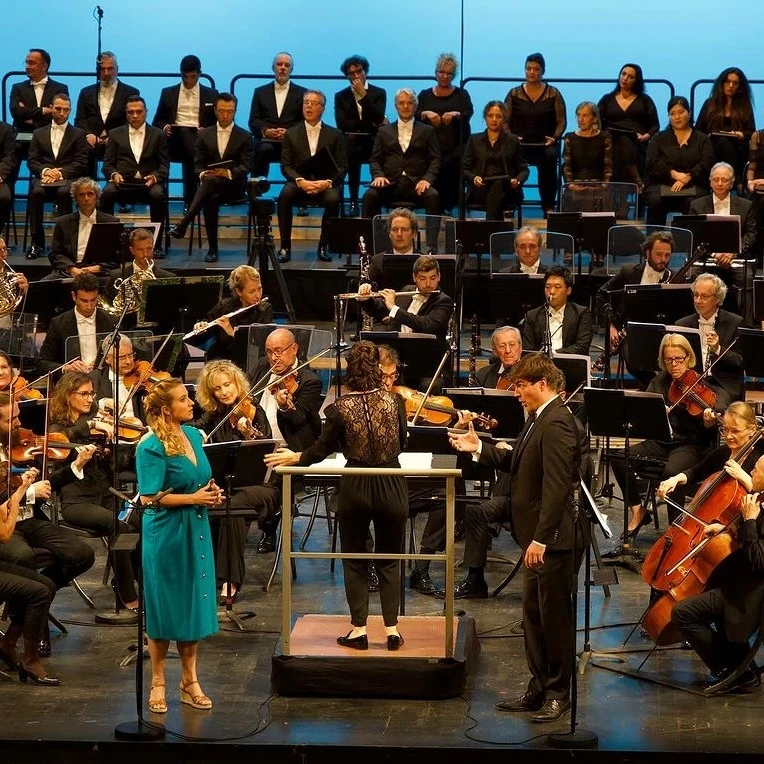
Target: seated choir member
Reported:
[(220, 387), (403, 230), (693, 436), (223, 142), (678, 162), (494, 166), (559, 326), (528, 244), (246, 292)]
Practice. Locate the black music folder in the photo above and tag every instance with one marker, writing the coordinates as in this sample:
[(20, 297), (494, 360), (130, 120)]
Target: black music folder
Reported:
[(104, 244), (321, 166)]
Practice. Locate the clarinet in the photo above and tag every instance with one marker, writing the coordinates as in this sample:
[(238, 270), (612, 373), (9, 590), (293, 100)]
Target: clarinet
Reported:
[(474, 350), (364, 261), (709, 354)]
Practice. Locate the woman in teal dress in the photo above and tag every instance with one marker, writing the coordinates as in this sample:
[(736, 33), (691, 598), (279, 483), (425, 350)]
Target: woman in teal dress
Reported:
[(178, 561)]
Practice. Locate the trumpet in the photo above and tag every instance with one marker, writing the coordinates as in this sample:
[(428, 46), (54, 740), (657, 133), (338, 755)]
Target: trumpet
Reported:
[(356, 296)]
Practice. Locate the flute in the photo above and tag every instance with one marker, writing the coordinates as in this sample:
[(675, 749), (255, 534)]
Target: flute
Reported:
[(356, 296)]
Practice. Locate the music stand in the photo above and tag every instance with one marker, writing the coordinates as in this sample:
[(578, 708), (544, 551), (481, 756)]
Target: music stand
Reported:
[(420, 354), (501, 405), (175, 304), (758, 299), (48, 299), (510, 297), (644, 340), (751, 346), (657, 303), (588, 229), (343, 235), (236, 464), (576, 368), (397, 270), (105, 244), (717, 233), (473, 236)]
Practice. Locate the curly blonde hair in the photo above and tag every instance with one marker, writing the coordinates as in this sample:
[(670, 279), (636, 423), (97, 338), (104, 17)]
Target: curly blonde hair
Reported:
[(204, 395), (159, 398)]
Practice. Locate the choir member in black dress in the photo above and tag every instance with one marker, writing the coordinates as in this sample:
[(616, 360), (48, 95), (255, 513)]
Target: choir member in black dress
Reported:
[(726, 116), (494, 165), (630, 116), (448, 109), (222, 385), (368, 424), (537, 116), (679, 160)]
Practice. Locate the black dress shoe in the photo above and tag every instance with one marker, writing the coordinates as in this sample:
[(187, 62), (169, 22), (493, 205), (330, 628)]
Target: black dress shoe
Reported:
[(35, 251), (372, 579), (178, 231), (471, 588), (267, 543), (357, 643), (285, 255), (394, 641), (631, 535), (211, 256), (421, 582), (552, 710), (526, 702), (46, 681), (748, 679), (323, 254), (459, 531), (43, 648)]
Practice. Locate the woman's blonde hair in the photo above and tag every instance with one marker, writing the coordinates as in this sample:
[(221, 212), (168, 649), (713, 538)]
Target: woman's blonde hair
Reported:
[(204, 395), (743, 412), (676, 341), (161, 397)]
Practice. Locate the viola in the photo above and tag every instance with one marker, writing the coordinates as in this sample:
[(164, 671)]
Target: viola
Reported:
[(288, 383), (504, 383), (22, 391), (28, 446), (690, 393), (437, 409), (248, 410), (144, 375), (129, 428)]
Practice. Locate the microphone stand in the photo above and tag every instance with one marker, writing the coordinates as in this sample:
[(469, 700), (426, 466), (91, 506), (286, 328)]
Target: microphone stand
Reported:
[(139, 729), (98, 15), (546, 347)]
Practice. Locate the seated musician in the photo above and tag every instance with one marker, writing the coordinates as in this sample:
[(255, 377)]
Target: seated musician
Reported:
[(693, 434), (7, 275), (140, 242), (221, 386), (559, 325), (88, 503), (11, 382), (426, 309), (33, 530), (507, 344), (246, 292), (402, 228), (528, 243), (84, 322), (718, 330), (719, 622)]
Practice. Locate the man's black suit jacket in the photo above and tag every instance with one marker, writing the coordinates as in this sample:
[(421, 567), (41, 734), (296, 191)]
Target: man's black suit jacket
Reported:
[(295, 152), (72, 157), (476, 157), (155, 159), (167, 109), (611, 292), (433, 317), (741, 207), (729, 370), (238, 150), (515, 268), (301, 426), (263, 113), (88, 116), (576, 329), (63, 248), (53, 350), (117, 273), (9, 163), (29, 117), (421, 161), (373, 106), (488, 376)]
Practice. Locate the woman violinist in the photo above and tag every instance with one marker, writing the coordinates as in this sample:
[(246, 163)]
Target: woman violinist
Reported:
[(693, 426), (10, 381), (220, 388)]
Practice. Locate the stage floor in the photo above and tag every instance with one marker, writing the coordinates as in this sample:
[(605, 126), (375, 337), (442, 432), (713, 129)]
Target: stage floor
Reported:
[(632, 718)]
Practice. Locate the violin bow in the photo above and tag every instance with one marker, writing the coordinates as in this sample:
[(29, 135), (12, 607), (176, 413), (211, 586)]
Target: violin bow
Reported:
[(427, 392), (47, 374), (134, 389)]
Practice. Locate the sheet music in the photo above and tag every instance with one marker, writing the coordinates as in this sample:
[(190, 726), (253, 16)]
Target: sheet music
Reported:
[(602, 520)]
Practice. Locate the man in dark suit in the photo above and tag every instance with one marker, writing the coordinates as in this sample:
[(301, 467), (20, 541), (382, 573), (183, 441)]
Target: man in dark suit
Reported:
[(718, 330), (101, 108), (9, 165), (427, 312), (72, 232), (137, 165), (84, 322), (559, 325), (403, 230), (182, 110), (31, 100), (359, 111), (275, 108), (314, 162), (404, 164), (225, 142), (58, 155), (507, 344), (528, 244), (543, 471)]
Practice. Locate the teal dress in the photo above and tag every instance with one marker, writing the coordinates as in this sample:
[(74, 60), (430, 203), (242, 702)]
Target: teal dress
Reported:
[(178, 562)]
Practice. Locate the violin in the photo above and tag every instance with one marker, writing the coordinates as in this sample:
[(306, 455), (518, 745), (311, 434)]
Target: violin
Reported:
[(144, 375), (246, 409), (690, 393), (28, 446), (438, 409), (288, 383), (129, 428), (23, 392), (503, 383)]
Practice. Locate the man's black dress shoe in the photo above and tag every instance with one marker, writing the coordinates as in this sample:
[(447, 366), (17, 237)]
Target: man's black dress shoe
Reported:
[(357, 643), (285, 255), (43, 648), (323, 254), (211, 256), (748, 679), (421, 582), (394, 641), (267, 543), (552, 710), (372, 579), (471, 588), (526, 702), (178, 231), (35, 251), (47, 681)]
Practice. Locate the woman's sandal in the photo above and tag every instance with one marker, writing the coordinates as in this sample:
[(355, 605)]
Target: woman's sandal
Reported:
[(157, 705), (200, 701)]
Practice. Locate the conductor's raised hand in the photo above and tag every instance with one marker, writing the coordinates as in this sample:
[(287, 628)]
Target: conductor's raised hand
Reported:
[(467, 441)]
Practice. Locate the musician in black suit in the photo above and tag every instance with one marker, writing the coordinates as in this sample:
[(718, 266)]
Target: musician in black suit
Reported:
[(9, 165), (137, 164), (403, 230), (718, 330), (72, 232), (101, 108), (528, 244), (404, 165), (275, 108), (58, 155), (507, 344), (428, 311), (31, 100), (307, 182), (543, 469), (224, 142), (359, 110), (84, 321), (564, 324), (182, 110)]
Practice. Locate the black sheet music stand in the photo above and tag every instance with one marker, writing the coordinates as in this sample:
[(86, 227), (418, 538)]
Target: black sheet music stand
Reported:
[(576, 368), (659, 303), (105, 244), (420, 354), (501, 405), (644, 340), (48, 299), (717, 233), (750, 344), (175, 304), (588, 229), (343, 236), (473, 237), (758, 299), (510, 297), (398, 270)]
